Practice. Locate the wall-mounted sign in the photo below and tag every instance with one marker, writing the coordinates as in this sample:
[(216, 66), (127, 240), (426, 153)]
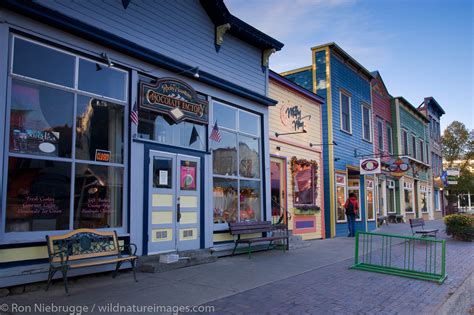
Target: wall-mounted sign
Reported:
[(292, 116), (370, 166), (398, 167), (174, 98), (102, 155), (452, 175)]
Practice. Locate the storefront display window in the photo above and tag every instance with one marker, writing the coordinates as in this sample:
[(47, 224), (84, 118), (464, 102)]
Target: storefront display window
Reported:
[(60, 177), (38, 195), (341, 198), (99, 128), (304, 174), (424, 201), (370, 200), (236, 167), (40, 120), (161, 128), (354, 188), (98, 196), (409, 201), (391, 196)]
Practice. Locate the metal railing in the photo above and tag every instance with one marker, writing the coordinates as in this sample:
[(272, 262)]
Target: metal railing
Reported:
[(415, 257)]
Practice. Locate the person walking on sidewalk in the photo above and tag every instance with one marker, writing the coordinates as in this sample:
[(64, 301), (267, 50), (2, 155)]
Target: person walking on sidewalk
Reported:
[(352, 209)]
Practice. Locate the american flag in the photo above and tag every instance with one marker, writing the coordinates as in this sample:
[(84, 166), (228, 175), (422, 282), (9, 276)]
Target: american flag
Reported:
[(215, 133), (134, 114)]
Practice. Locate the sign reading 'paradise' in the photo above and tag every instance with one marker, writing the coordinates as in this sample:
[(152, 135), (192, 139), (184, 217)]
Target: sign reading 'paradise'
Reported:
[(174, 98)]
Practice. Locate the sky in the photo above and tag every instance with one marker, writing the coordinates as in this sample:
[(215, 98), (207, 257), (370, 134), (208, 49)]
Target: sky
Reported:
[(420, 47)]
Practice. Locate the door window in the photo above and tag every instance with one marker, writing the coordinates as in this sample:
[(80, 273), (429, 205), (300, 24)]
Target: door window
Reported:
[(162, 172)]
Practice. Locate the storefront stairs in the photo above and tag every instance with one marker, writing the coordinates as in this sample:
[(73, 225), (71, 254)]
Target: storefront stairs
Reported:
[(297, 242), (152, 264)]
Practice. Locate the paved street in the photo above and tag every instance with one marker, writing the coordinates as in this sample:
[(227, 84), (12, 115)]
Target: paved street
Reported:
[(311, 280)]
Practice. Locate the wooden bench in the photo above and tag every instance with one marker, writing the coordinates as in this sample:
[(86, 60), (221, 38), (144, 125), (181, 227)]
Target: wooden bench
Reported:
[(85, 248), (424, 233), (381, 219), (278, 232), (395, 218)]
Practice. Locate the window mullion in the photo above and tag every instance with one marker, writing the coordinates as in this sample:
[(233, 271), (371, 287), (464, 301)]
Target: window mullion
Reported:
[(73, 164)]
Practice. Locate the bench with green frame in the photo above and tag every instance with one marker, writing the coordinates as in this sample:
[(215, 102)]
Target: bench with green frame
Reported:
[(86, 248), (277, 231)]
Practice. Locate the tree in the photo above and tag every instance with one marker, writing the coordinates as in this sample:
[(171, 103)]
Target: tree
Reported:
[(458, 144)]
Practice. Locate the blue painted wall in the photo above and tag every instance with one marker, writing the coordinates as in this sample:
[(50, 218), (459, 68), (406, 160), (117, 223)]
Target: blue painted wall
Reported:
[(190, 40)]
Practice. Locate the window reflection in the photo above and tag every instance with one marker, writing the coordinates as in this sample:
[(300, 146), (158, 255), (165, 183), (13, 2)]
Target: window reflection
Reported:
[(249, 200), (225, 116), (162, 129), (43, 63), (99, 126), (341, 199), (304, 186), (38, 195), (98, 196), (249, 157), (40, 120), (102, 80), (224, 154), (225, 200)]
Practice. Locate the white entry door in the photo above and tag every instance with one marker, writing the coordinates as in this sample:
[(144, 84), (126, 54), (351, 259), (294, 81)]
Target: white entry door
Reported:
[(174, 202)]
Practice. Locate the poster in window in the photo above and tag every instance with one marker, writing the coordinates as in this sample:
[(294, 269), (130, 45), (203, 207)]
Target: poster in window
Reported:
[(188, 177)]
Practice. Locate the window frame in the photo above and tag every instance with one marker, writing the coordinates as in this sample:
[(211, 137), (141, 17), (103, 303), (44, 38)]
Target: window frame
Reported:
[(366, 107), (35, 236), (391, 187), (405, 145), (349, 97), (414, 146), (409, 187), (237, 177), (344, 186), (421, 143), (389, 138), (367, 188), (380, 135)]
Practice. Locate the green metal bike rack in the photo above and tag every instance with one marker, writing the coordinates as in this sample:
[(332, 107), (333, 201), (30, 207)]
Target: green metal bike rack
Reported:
[(407, 256)]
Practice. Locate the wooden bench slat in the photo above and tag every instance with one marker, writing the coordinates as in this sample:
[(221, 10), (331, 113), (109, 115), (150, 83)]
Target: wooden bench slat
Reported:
[(101, 262), (263, 239)]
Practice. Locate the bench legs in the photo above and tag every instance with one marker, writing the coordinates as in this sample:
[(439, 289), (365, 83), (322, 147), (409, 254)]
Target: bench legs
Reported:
[(64, 272), (235, 247), (51, 273), (119, 263), (134, 262)]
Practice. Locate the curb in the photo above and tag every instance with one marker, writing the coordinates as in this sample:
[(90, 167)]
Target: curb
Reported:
[(462, 301)]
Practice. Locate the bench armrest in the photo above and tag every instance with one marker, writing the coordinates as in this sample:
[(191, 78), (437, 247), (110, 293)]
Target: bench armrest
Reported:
[(130, 249), (63, 254)]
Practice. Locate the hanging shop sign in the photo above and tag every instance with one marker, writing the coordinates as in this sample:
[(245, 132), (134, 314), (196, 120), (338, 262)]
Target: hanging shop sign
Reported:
[(398, 167), (291, 115), (452, 175), (174, 98), (370, 166)]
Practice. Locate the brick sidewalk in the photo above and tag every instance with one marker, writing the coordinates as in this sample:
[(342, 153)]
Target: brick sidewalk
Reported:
[(313, 280)]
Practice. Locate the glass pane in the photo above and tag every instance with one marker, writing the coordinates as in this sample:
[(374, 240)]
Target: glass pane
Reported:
[(304, 186), (249, 123), (424, 205), (250, 200), (370, 205), (162, 129), (225, 116), (408, 201), (38, 195), (99, 130), (249, 157), (102, 80), (224, 154), (162, 172), (188, 175), (391, 200), (43, 63), (98, 197), (225, 200), (341, 199), (40, 120)]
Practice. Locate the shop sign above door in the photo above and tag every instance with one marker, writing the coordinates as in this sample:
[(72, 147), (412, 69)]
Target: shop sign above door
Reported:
[(370, 166), (174, 98)]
